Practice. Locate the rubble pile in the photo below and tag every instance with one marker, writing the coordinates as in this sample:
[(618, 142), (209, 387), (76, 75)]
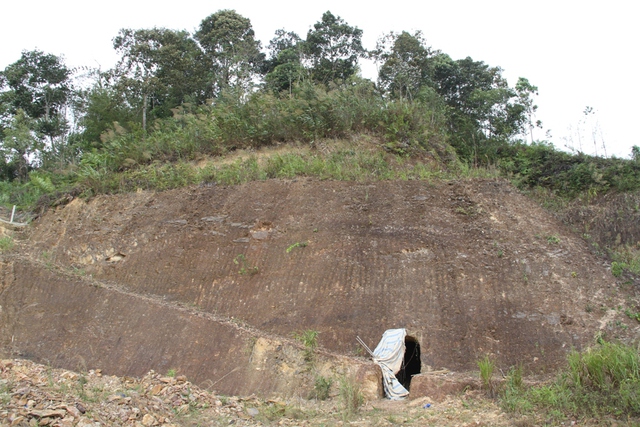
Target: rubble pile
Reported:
[(37, 395)]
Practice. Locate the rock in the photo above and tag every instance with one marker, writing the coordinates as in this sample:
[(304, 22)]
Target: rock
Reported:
[(253, 412), (148, 420), (48, 413)]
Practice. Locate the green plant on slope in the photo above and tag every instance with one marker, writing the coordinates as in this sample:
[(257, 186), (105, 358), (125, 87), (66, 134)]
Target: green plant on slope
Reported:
[(297, 245), (6, 244), (351, 397), (487, 366), (321, 387), (241, 260), (601, 380), (309, 339)]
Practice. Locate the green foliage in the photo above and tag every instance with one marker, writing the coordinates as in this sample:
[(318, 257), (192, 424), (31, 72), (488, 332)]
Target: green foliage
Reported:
[(309, 338), (6, 244), (333, 47), (487, 366), (350, 396), (565, 174), (296, 245), (406, 66), (233, 52), (626, 258), (245, 268), (604, 379), (39, 85), (553, 239), (321, 387), (617, 269)]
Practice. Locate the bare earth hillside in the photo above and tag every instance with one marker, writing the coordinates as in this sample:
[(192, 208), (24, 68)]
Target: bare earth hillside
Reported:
[(214, 281)]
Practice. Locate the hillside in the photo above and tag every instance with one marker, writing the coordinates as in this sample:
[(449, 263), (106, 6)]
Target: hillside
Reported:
[(214, 280)]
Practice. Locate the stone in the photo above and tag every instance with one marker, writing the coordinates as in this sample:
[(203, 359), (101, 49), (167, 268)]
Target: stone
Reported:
[(148, 420)]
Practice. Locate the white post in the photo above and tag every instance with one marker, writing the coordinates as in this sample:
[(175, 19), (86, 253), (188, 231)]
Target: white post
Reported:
[(13, 211)]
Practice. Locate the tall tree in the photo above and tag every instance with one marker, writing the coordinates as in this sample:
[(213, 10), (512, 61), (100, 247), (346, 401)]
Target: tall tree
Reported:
[(525, 92), (483, 110), (333, 48), (284, 66), (405, 64), (234, 54), (39, 85), (19, 144), (162, 68)]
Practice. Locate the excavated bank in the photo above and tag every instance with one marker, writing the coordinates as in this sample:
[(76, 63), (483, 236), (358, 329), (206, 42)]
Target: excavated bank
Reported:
[(54, 318), (469, 268)]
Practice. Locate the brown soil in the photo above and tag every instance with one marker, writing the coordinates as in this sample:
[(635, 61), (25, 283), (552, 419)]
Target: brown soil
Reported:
[(213, 281)]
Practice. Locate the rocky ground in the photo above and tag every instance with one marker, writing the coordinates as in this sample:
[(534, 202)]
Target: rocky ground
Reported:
[(36, 395)]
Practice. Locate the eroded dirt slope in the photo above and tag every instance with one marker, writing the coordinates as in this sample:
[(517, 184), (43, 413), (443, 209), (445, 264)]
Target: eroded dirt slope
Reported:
[(470, 268)]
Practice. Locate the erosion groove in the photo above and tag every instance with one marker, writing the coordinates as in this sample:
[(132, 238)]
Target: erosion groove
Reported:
[(213, 281)]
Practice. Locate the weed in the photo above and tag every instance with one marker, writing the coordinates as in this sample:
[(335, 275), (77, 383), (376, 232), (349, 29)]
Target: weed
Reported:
[(462, 211), (6, 244), (5, 391), (487, 366), (500, 253), (617, 268), (297, 245), (321, 387), (241, 260), (632, 315), (82, 381), (350, 396), (553, 239), (171, 373), (309, 339), (78, 271)]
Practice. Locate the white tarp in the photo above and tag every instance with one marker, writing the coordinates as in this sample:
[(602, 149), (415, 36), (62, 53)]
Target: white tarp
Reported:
[(389, 355)]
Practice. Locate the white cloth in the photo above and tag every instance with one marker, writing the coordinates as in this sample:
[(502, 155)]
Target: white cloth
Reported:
[(389, 355)]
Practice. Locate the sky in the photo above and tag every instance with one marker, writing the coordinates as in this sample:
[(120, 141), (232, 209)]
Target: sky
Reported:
[(578, 53)]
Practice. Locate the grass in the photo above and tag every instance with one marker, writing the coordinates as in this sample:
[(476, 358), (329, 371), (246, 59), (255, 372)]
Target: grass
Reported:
[(487, 366), (6, 244), (350, 396), (625, 258), (602, 380), (5, 391)]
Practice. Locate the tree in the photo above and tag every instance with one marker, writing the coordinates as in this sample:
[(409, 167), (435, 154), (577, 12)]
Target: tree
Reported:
[(483, 111), (284, 66), (39, 85), (234, 54), (19, 144), (525, 92), (406, 65), (333, 48), (160, 68)]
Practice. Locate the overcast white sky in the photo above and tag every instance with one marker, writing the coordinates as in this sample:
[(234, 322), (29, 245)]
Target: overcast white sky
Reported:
[(578, 53)]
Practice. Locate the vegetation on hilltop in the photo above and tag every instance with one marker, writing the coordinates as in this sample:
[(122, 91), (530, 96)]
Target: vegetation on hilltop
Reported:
[(176, 97)]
